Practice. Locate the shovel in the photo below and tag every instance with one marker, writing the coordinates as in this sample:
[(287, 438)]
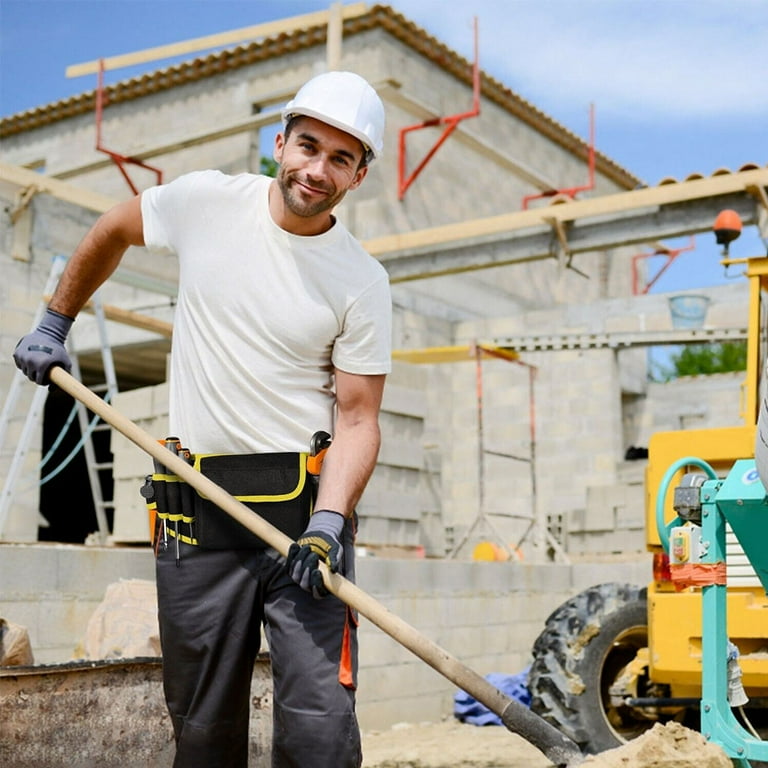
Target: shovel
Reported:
[(556, 747)]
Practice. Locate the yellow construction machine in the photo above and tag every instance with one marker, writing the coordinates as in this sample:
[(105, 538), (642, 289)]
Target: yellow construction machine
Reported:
[(618, 658)]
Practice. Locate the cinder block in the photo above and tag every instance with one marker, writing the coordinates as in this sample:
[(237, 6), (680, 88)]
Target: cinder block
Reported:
[(131, 520), (27, 569), (397, 453), (411, 709), (403, 400), (88, 571), (134, 404), (70, 615), (377, 648)]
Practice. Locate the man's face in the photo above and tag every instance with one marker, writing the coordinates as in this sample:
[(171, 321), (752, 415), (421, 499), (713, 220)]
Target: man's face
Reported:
[(317, 165)]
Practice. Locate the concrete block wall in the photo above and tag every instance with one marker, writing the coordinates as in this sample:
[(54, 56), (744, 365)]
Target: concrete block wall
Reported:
[(590, 406), (52, 590), (577, 421), (612, 521), (148, 408), (485, 614), (693, 402)]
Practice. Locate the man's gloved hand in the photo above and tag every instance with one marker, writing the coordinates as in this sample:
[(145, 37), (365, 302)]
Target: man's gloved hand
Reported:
[(37, 352), (321, 541)]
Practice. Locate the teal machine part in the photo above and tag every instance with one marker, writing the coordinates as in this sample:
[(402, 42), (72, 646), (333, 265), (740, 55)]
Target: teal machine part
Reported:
[(662, 528), (740, 500)]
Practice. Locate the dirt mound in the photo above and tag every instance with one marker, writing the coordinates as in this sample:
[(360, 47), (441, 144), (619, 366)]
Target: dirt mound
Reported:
[(448, 744), (664, 746), (451, 744)]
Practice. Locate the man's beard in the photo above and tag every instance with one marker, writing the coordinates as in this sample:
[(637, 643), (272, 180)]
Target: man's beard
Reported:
[(296, 203)]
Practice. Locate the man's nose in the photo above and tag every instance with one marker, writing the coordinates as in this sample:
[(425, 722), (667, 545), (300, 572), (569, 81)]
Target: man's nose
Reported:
[(317, 166)]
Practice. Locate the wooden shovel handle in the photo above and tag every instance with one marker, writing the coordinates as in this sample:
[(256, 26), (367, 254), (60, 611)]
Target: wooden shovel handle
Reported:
[(558, 748)]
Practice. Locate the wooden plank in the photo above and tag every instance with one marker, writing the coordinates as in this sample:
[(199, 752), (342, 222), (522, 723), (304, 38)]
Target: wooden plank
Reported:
[(23, 177), (222, 132), (605, 205), (22, 235), (131, 318), (217, 40), (452, 354)]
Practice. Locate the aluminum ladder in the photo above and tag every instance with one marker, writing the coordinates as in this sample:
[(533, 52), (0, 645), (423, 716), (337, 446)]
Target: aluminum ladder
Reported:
[(34, 414)]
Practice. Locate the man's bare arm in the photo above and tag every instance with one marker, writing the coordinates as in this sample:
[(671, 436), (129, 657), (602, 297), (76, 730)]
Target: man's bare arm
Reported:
[(352, 456), (97, 256)]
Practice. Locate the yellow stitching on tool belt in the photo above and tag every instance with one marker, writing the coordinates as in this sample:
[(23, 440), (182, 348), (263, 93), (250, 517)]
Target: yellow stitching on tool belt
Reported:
[(175, 517), (186, 539), (287, 496)]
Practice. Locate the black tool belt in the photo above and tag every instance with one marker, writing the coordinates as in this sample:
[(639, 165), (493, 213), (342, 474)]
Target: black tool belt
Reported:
[(276, 486)]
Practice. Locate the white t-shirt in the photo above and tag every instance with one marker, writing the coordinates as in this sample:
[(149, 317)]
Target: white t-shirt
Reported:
[(263, 316)]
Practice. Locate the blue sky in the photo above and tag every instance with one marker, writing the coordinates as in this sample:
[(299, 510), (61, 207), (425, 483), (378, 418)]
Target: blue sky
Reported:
[(679, 86)]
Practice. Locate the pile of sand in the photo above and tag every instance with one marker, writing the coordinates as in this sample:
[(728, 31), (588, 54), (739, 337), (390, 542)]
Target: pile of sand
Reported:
[(663, 746), (451, 744)]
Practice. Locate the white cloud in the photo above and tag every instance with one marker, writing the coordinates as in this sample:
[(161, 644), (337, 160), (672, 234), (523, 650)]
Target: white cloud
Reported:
[(645, 59)]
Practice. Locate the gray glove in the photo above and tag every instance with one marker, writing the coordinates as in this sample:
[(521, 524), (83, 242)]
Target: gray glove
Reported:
[(37, 352), (321, 541)]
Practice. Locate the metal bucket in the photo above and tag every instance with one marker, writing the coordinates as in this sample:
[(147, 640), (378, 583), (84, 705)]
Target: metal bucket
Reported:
[(109, 714), (688, 310)]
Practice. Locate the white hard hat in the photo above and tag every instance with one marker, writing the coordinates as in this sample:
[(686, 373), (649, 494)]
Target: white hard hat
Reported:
[(347, 102)]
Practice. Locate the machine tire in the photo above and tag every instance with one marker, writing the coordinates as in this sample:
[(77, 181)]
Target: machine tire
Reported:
[(586, 642)]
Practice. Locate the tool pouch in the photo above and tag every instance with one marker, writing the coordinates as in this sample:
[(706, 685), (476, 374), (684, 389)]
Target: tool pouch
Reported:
[(274, 485), (170, 503)]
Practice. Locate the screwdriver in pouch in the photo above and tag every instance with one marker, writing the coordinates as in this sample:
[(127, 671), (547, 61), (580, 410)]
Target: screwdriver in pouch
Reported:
[(186, 492), (173, 444)]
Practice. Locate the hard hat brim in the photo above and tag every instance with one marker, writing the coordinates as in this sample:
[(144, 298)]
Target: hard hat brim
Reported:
[(289, 112)]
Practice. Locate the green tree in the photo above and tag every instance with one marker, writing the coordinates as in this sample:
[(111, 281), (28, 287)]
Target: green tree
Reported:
[(704, 359), (268, 166)]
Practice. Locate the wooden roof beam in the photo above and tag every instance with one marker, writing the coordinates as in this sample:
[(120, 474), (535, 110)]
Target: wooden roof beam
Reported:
[(614, 205), (85, 198), (217, 40)]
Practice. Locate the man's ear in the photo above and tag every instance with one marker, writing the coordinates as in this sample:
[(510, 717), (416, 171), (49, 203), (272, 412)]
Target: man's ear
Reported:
[(277, 150), (359, 176)]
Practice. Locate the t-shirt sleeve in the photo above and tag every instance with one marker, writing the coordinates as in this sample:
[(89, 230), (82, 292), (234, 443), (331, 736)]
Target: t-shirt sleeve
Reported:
[(365, 343), (164, 209)]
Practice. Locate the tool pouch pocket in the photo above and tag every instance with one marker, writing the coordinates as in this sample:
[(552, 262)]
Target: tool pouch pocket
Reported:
[(274, 485), (172, 502)]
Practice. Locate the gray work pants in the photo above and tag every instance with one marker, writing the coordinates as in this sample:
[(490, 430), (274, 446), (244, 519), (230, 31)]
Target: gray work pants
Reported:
[(211, 607)]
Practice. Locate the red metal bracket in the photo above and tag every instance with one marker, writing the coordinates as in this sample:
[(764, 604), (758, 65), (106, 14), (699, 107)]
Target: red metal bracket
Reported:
[(450, 123), (670, 255), (118, 159), (573, 191)]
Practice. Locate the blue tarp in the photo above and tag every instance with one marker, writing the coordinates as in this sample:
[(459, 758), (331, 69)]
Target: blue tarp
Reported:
[(469, 710)]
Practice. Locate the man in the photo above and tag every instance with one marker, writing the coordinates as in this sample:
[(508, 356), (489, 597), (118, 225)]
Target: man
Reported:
[(282, 329)]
